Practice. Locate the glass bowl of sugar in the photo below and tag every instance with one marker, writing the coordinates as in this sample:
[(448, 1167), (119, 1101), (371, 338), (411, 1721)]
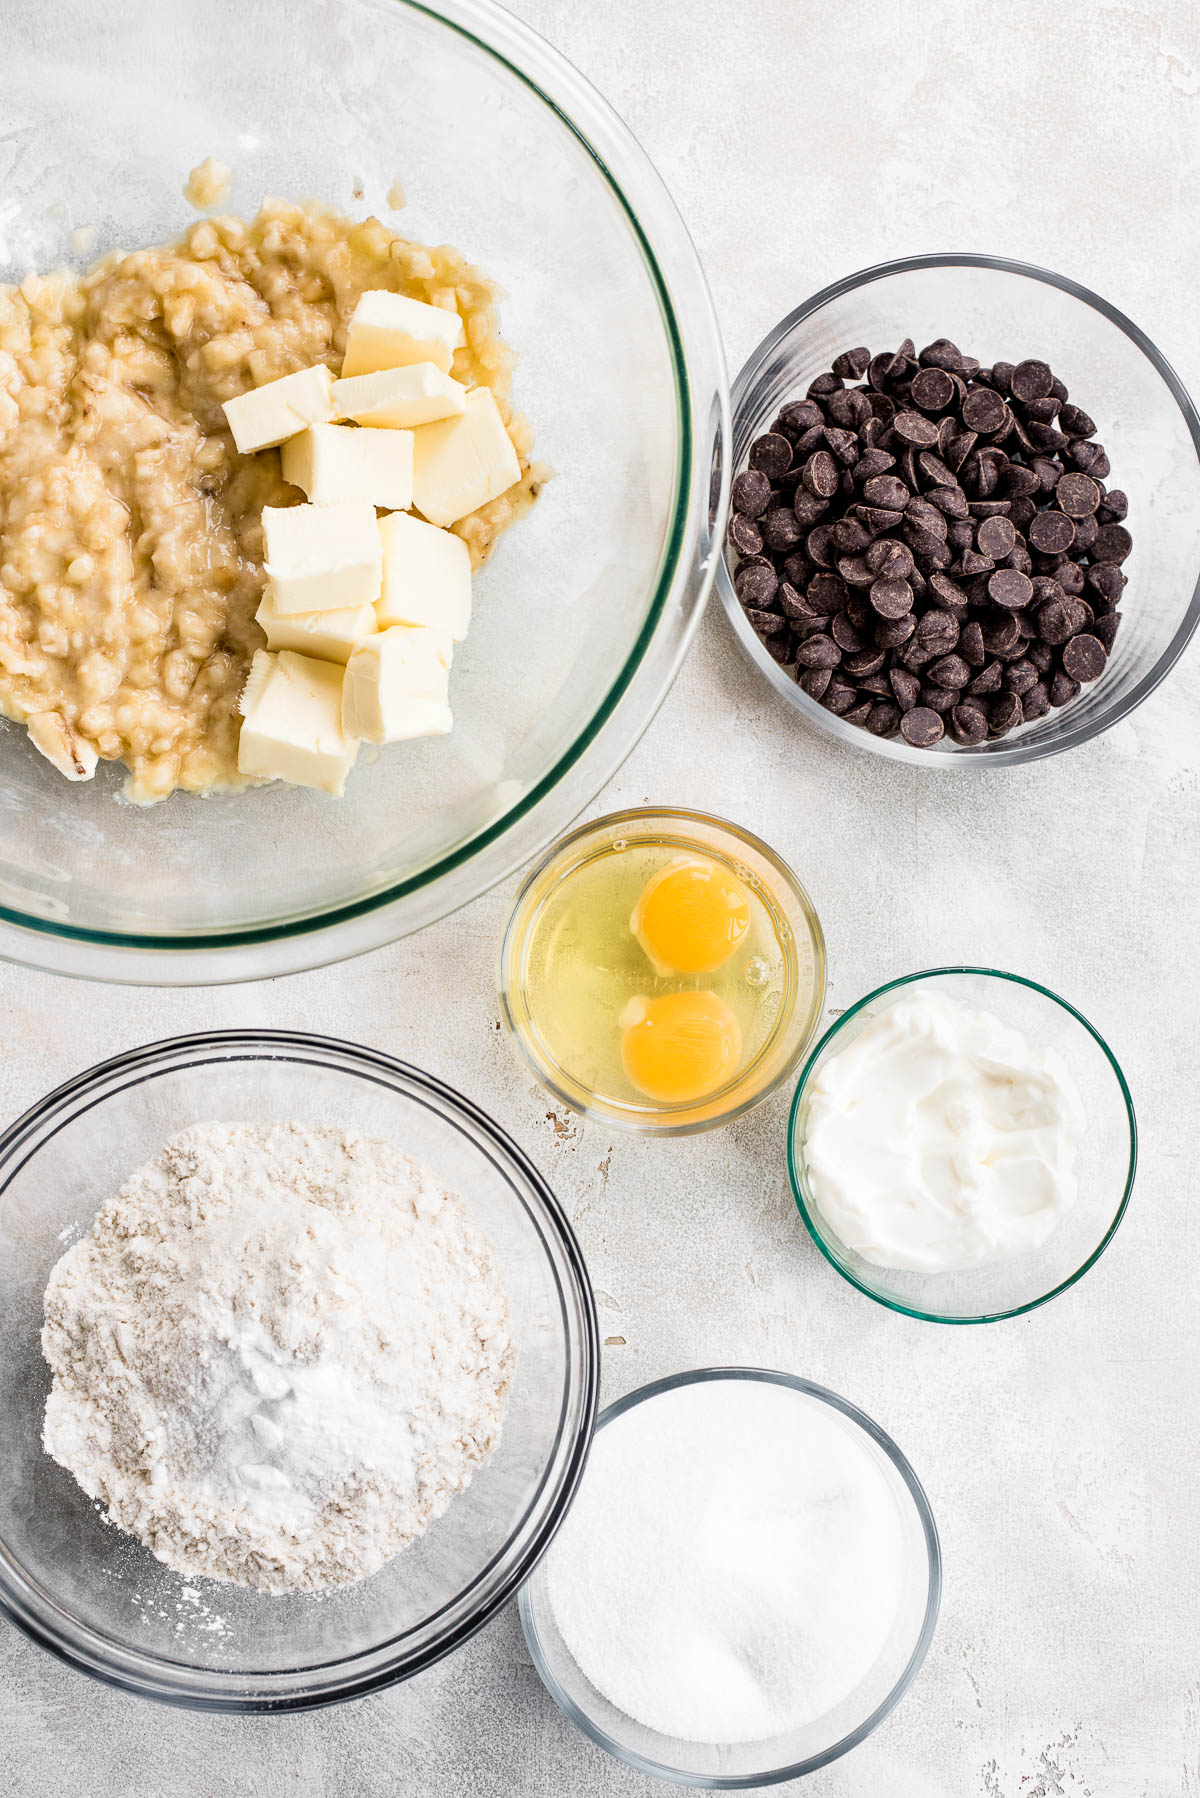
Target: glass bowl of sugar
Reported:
[(746, 1585)]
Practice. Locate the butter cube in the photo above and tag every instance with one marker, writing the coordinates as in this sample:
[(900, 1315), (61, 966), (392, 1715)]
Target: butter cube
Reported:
[(322, 558), (461, 463), (389, 331), (398, 398), (336, 462), (292, 722), (426, 577), (397, 686), (270, 414), (330, 636)]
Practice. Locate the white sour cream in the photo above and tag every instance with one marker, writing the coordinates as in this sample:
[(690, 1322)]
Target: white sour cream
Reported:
[(941, 1138)]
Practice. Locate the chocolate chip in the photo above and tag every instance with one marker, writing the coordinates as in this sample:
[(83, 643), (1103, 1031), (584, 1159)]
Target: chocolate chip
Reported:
[(915, 429), (890, 633), (807, 507), (1077, 495), (771, 454), (820, 474), (883, 718), (1053, 622), (938, 631), (865, 663), (1036, 702), (843, 444), (1086, 532), (886, 490), (766, 623), (854, 571), (838, 699), (751, 493), (1063, 689), (1084, 658), (781, 530), (851, 365), (1112, 544), (891, 599), (819, 652), (968, 724), (1000, 636), (844, 634), (1009, 588), (1051, 532), (987, 680), (949, 671), (1075, 422), (815, 681), (983, 411), (1004, 714), (1031, 380), (932, 389), (921, 727), (995, 536), (849, 536), (905, 686), (1019, 676), (1115, 506), (756, 583), (745, 535), (1105, 629), (800, 416), (937, 699), (890, 558), (871, 463)]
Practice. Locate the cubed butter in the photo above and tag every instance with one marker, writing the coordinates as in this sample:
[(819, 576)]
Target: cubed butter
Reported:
[(271, 414), (426, 577), (322, 558), (335, 462), (330, 636), (399, 398), (397, 686), (292, 722), (389, 331), (461, 463)]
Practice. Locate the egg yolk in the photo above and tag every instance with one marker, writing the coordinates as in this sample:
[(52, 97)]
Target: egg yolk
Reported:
[(679, 1046), (691, 917)]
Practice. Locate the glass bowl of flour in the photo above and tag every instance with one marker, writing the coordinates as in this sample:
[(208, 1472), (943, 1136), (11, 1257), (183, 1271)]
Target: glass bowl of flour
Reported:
[(747, 1584), (259, 1464), (962, 1145)]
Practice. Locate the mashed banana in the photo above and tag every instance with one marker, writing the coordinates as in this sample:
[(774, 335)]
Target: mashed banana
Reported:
[(130, 529)]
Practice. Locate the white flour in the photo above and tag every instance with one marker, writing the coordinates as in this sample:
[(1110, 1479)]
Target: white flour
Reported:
[(277, 1355)]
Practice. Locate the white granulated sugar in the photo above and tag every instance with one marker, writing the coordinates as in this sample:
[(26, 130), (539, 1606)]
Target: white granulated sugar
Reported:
[(732, 1567), (277, 1355)]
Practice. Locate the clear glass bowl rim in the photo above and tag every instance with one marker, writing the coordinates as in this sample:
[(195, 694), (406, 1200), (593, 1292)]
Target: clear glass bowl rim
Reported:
[(633, 1125), (1003, 752), (44, 1118), (772, 1776), (808, 1212), (480, 22)]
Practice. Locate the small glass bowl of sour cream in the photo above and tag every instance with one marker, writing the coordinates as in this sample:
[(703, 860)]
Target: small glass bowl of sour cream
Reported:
[(962, 1145)]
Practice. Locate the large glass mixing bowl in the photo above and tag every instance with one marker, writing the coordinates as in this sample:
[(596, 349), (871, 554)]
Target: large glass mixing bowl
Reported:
[(584, 613), (96, 1597)]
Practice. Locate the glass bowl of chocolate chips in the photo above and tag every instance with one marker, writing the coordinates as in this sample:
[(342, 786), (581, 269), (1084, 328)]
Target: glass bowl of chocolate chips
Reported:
[(966, 511)]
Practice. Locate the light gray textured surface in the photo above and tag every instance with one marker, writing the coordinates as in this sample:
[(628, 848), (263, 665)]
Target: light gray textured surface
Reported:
[(801, 141)]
